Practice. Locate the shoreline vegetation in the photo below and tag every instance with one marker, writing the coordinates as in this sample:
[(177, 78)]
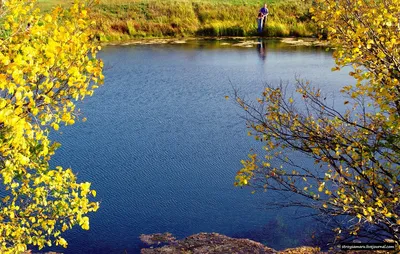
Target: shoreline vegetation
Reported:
[(244, 42), (128, 20)]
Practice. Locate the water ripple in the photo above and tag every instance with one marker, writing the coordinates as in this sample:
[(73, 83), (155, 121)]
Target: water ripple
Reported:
[(161, 145)]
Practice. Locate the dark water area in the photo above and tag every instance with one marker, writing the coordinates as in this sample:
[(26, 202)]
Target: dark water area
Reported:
[(162, 145)]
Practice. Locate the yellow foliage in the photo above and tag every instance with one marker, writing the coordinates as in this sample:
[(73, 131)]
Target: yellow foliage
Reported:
[(356, 150), (41, 77)]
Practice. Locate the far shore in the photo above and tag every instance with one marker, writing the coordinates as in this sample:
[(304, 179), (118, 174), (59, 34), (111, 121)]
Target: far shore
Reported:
[(228, 41)]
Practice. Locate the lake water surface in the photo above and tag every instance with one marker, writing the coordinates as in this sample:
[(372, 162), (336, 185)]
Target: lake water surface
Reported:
[(162, 145)]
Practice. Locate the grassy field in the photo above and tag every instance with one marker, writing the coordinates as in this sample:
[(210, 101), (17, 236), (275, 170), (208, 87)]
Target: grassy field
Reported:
[(231, 2), (120, 20)]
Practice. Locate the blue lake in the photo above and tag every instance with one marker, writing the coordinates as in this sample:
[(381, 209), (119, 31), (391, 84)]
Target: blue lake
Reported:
[(162, 145)]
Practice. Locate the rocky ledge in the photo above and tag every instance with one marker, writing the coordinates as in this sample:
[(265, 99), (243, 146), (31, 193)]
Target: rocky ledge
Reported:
[(212, 243)]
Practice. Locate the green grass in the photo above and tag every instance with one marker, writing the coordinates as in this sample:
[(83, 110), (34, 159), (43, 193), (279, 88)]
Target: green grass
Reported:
[(48, 4), (231, 2), (118, 20)]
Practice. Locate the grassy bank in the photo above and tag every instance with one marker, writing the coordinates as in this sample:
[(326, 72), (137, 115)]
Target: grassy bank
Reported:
[(120, 20)]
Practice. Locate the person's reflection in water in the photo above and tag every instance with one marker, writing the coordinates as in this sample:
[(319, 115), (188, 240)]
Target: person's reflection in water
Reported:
[(262, 50)]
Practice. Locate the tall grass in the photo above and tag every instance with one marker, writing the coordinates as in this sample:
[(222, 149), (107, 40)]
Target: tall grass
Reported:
[(129, 19)]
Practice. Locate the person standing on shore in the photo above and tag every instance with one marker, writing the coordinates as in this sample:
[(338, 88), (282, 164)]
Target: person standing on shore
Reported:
[(264, 11), (260, 22)]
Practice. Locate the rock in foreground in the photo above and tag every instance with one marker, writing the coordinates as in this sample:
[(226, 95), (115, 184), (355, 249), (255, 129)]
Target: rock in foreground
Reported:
[(213, 243)]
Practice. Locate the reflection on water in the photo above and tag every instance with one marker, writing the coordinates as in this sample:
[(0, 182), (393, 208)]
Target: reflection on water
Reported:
[(261, 48), (162, 145)]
